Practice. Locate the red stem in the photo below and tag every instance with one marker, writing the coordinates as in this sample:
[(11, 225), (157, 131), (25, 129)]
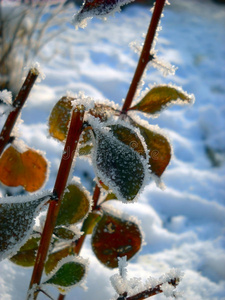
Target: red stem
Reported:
[(17, 106), (58, 191), (145, 54)]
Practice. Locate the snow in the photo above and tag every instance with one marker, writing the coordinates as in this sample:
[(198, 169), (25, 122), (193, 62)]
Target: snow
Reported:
[(184, 224)]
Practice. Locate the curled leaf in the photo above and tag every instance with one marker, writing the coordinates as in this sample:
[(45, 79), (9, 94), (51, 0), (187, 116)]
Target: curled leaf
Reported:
[(115, 237), (118, 166), (160, 97), (28, 169), (17, 216), (69, 272), (75, 205), (26, 255)]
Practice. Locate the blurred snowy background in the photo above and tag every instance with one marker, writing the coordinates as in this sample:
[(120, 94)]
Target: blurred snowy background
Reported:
[(184, 225)]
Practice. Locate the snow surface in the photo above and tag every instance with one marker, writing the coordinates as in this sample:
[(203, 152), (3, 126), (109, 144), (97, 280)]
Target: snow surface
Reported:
[(184, 225)]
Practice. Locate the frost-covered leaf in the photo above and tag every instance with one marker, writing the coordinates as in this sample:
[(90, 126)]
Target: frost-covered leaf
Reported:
[(64, 233), (28, 169), (115, 237), (90, 222), (54, 258), (159, 149), (69, 272), (100, 8), (118, 165), (60, 117), (160, 97), (26, 255), (16, 221), (75, 205), (102, 112)]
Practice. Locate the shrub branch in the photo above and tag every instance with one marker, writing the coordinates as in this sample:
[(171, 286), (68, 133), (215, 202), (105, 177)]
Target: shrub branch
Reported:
[(58, 191)]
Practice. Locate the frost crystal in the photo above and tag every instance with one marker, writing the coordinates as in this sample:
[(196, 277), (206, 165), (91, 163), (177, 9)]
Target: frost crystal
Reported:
[(6, 97), (165, 67), (37, 70), (122, 264)]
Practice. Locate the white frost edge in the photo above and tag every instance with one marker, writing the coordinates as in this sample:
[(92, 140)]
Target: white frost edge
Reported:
[(67, 259), (19, 200)]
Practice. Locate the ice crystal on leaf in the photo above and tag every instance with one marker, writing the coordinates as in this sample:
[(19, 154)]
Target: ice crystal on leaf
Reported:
[(17, 216), (116, 163), (97, 8)]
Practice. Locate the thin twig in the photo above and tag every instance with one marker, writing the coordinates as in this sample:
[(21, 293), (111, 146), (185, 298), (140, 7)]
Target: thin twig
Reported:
[(145, 54), (17, 106), (150, 292)]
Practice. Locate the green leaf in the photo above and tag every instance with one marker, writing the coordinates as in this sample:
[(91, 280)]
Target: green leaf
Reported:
[(17, 216), (90, 222), (160, 97), (118, 166), (110, 196), (115, 237), (54, 258), (60, 117), (159, 149), (70, 272), (129, 137), (75, 205), (26, 255), (64, 233)]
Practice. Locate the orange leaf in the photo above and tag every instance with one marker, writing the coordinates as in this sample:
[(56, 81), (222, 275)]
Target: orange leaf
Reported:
[(28, 169)]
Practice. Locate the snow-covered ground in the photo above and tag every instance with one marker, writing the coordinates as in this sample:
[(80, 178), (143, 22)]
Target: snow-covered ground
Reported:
[(184, 225)]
